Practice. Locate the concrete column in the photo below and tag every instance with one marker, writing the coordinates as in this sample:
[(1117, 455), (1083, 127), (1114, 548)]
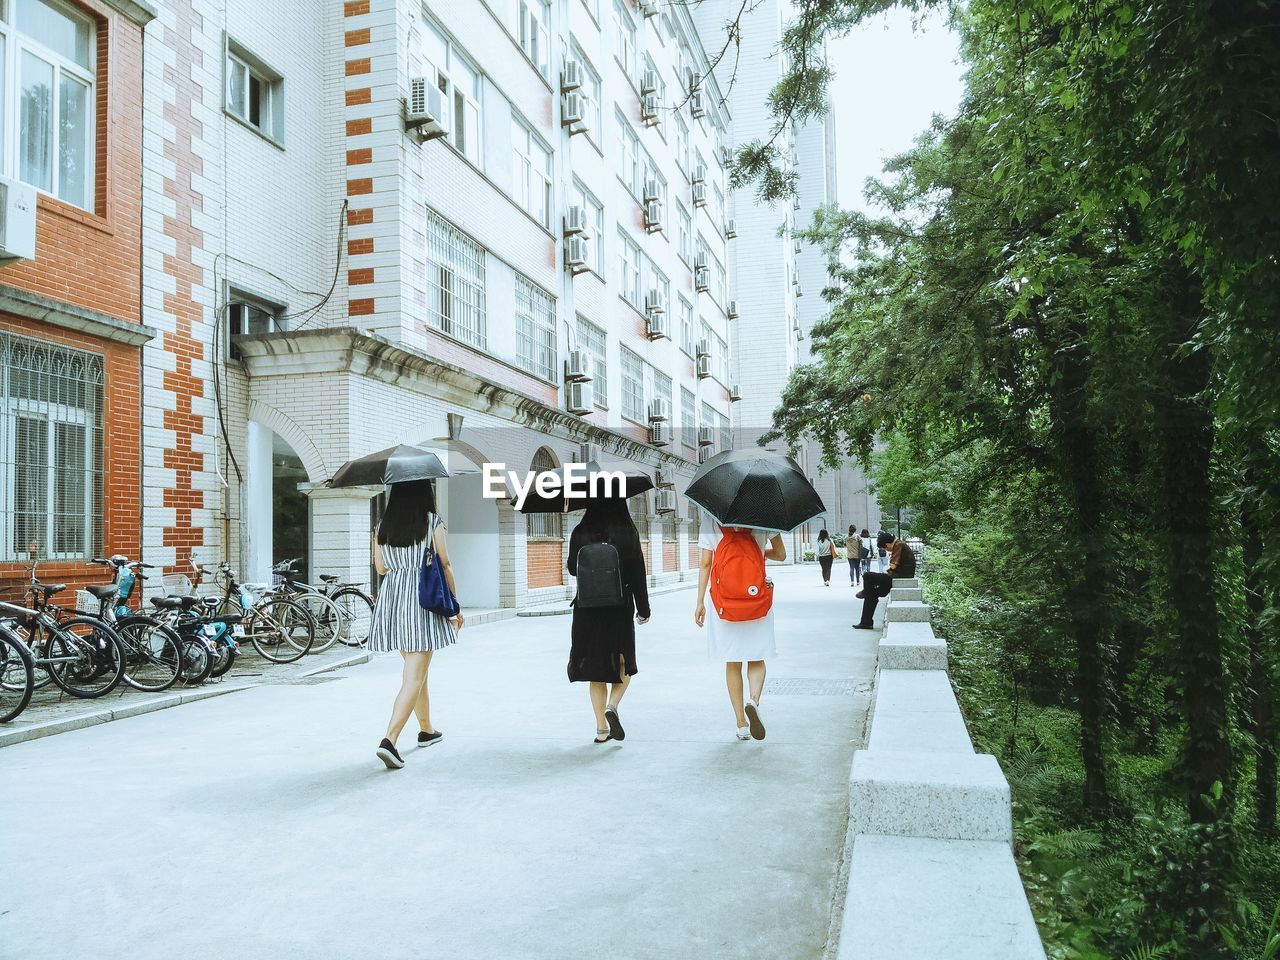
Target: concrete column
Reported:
[(655, 547), (340, 531), (513, 556), (682, 547)]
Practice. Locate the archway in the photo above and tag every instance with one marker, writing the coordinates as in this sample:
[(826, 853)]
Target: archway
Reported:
[(277, 515), (473, 528), (545, 534)]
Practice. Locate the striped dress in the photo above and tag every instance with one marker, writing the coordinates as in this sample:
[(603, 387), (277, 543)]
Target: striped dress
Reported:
[(399, 623)]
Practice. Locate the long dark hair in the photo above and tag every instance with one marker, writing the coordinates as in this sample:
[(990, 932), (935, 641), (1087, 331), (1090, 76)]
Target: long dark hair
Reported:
[(822, 535), (607, 518), (404, 521)]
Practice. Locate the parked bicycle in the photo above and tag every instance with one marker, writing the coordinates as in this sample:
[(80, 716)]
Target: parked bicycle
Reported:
[(343, 611), (280, 629), (17, 671), (154, 655)]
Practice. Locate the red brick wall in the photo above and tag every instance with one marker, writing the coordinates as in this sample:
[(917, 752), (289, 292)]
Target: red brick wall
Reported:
[(91, 259), (695, 554), (669, 563), (545, 563)]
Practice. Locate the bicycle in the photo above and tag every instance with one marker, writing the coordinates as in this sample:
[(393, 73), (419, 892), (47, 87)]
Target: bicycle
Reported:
[(17, 671), (334, 620), (280, 629), (155, 656), (81, 654)]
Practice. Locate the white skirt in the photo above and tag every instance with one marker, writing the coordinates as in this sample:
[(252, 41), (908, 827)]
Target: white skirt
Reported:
[(739, 640)]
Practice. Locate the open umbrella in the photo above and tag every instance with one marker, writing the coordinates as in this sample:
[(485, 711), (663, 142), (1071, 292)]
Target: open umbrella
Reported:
[(755, 488), (588, 481), (396, 464)]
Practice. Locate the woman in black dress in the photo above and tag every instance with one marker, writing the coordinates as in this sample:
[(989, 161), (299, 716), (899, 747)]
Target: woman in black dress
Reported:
[(603, 648)]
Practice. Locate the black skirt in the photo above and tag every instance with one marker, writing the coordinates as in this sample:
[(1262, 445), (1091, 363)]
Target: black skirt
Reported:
[(600, 637)]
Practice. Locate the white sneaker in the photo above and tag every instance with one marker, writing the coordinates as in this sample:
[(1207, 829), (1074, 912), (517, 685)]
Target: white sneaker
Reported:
[(744, 733)]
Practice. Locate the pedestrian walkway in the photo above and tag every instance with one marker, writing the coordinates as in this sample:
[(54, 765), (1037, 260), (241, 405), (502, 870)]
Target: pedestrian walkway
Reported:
[(261, 825)]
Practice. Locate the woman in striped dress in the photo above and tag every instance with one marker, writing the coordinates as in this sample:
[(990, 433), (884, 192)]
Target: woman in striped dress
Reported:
[(408, 528)]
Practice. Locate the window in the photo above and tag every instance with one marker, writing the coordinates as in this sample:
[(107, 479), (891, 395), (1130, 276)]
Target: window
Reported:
[(720, 357), (655, 279), (717, 207), (535, 329), (688, 418), (726, 437), (247, 314), (624, 32), (535, 33), (531, 168), (461, 85), (255, 93), (662, 387), (592, 339), (592, 98), (629, 163), (544, 526), (649, 171), (47, 77), (708, 418), (722, 282), (50, 450), (593, 8), (684, 234), (582, 197), (682, 144), (632, 386), (629, 270), (686, 326), (455, 282)]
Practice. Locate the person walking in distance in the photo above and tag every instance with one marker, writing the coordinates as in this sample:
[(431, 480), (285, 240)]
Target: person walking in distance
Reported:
[(826, 551), (409, 531), (853, 549), (902, 563), (866, 549), (740, 627), (606, 559)]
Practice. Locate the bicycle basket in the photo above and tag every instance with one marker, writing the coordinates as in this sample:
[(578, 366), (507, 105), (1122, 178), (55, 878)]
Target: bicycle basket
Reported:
[(176, 585)]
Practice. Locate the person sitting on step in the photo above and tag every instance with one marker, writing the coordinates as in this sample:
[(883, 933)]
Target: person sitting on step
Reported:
[(902, 563)]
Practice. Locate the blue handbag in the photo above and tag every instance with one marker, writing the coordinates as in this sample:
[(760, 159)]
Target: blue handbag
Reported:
[(433, 590)]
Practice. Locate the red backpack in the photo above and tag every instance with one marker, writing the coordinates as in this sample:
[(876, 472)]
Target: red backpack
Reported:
[(739, 589)]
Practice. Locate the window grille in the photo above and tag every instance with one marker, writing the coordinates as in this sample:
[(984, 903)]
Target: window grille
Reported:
[(50, 450), (535, 329), (632, 386), (455, 282), (592, 338), (544, 526)]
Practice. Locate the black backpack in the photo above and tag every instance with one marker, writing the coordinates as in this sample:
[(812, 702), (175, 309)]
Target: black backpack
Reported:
[(599, 576)]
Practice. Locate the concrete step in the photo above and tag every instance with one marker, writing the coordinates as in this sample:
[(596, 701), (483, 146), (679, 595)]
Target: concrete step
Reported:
[(912, 898), (909, 610), (916, 711), (905, 593), (910, 583), (947, 796), (911, 645)]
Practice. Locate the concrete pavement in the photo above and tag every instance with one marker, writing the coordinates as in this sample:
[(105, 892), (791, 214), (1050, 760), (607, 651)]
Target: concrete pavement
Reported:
[(260, 825)]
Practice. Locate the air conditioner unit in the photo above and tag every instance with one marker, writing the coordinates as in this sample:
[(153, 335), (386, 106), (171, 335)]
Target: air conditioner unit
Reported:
[(704, 367), (654, 305), (651, 191), (700, 262), (588, 452), (663, 478), (649, 109), (579, 397), (795, 204), (17, 221), (578, 366), (653, 216), (660, 434), (647, 7), (696, 105), (575, 220), (659, 409), (664, 501), (730, 230), (704, 347), (799, 291), (699, 193), (732, 310), (571, 110), (795, 246), (706, 436), (705, 454), (701, 279), (575, 254), (726, 155), (427, 110), (656, 327), (699, 173), (735, 393), (570, 76), (648, 82)]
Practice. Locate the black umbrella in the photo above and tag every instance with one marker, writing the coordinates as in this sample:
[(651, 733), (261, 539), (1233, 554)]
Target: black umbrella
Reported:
[(587, 479), (396, 464), (755, 488)]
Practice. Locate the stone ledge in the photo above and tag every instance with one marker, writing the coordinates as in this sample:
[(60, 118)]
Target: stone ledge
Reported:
[(909, 583), (947, 796), (912, 898), (913, 611), (916, 711), (911, 645), (898, 594)]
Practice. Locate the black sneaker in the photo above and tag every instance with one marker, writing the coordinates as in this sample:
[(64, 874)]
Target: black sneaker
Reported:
[(615, 723), (861, 594), (863, 626), (427, 739), (387, 754)]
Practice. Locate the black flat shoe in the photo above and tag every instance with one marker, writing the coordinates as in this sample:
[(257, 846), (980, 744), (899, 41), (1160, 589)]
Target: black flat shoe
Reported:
[(615, 725), (863, 626), (861, 594), (602, 733), (388, 754), (427, 739)]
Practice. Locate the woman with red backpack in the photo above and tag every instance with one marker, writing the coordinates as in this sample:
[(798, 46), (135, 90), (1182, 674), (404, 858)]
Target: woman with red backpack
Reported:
[(740, 627)]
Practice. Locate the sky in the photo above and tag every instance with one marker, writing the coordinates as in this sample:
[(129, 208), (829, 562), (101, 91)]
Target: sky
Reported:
[(889, 81)]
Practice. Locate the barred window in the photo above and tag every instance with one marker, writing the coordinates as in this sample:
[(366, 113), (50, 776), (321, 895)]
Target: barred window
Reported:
[(688, 418), (662, 387), (632, 386), (535, 329), (592, 339), (544, 526), (50, 450), (455, 282)]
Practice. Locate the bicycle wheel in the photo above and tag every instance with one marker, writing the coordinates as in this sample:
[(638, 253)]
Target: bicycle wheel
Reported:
[(33, 638), (85, 657), (225, 653), (328, 619), (153, 653), (281, 630), (197, 659), (17, 676), (357, 615)]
